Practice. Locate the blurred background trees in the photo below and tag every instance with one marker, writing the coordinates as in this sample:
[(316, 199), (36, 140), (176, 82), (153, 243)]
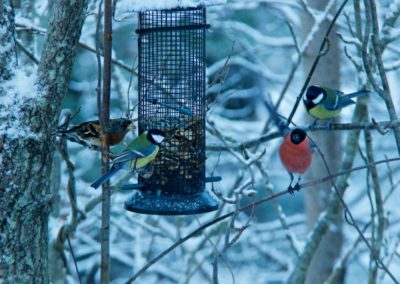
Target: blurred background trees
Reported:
[(255, 49)]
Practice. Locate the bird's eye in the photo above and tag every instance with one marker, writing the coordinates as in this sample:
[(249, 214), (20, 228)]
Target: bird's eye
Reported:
[(297, 136)]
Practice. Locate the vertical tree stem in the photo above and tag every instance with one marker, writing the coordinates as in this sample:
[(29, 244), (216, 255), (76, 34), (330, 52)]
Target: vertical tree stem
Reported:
[(370, 7), (377, 241), (105, 123)]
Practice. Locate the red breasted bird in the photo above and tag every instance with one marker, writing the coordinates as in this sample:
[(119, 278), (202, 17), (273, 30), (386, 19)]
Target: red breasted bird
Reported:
[(324, 103), (295, 150), (296, 154), (90, 131)]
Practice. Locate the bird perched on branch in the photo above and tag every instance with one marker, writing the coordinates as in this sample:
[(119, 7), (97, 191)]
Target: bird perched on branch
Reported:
[(91, 132), (295, 151), (296, 155), (137, 155), (324, 103)]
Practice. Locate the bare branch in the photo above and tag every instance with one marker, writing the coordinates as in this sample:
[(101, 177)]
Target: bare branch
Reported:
[(319, 55), (379, 126), (41, 31), (104, 118), (384, 91), (227, 215)]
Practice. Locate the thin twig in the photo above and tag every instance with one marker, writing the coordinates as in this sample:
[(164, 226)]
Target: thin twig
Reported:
[(290, 77), (217, 254), (370, 6), (116, 62), (104, 117), (28, 53), (380, 226), (83, 45), (333, 176), (321, 52), (327, 127), (227, 215), (351, 221), (281, 215), (74, 258)]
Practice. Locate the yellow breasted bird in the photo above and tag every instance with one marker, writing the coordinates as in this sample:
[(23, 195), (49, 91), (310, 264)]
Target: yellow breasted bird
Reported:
[(324, 103), (138, 154), (90, 131)]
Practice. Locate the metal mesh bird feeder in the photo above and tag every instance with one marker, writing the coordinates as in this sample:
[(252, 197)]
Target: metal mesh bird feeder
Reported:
[(172, 98)]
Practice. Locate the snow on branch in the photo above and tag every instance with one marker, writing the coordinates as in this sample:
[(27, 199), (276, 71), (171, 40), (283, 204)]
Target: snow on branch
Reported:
[(140, 5)]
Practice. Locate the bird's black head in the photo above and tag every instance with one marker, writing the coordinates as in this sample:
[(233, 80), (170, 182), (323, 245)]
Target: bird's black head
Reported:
[(314, 96), (120, 124), (125, 122), (155, 136), (297, 136)]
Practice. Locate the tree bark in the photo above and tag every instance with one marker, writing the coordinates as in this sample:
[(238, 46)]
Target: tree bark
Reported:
[(327, 74), (27, 123)]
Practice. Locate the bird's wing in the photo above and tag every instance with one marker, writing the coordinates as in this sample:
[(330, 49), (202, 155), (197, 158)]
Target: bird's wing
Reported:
[(91, 130), (341, 102), (126, 156), (331, 106), (332, 99), (82, 127), (345, 101)]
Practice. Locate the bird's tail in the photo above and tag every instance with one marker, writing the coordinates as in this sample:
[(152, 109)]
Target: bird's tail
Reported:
[(114, 169), (279, 120), (357, 94), (346, 100), (66, 131)]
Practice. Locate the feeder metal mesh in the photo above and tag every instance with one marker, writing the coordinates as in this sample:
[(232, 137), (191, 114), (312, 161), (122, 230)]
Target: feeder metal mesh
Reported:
[(172, 96)]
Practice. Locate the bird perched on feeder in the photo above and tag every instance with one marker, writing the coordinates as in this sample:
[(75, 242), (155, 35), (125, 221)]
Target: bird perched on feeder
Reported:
[(137, 155), (324, 103), (295, 151), (91, 131)]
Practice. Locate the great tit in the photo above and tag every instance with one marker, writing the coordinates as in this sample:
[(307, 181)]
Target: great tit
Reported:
[(295, 151), (138, 154), (90, 131), (324, 103)]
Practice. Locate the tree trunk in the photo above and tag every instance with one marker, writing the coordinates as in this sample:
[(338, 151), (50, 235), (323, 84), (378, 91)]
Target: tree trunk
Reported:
[(28, 118), (327, 74)]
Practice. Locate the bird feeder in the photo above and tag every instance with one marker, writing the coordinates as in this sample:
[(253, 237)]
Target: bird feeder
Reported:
[(172, 88)]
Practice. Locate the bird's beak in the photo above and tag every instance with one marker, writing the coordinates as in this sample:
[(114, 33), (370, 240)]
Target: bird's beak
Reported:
[(130, 126)]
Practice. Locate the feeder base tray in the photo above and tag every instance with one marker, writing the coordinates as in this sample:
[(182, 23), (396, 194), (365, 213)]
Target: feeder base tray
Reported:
[(147, 203)]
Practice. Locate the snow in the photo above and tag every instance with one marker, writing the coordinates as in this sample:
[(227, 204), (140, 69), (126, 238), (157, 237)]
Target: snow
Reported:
[(319, 19), (394, 9), (24, 21), (17, 92), (23, 83), (140, 5), (257, 36), (6, 47)]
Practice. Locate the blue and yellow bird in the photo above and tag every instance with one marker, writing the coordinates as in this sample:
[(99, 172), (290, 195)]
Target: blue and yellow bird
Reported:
[(138, 154), (324, 103)]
